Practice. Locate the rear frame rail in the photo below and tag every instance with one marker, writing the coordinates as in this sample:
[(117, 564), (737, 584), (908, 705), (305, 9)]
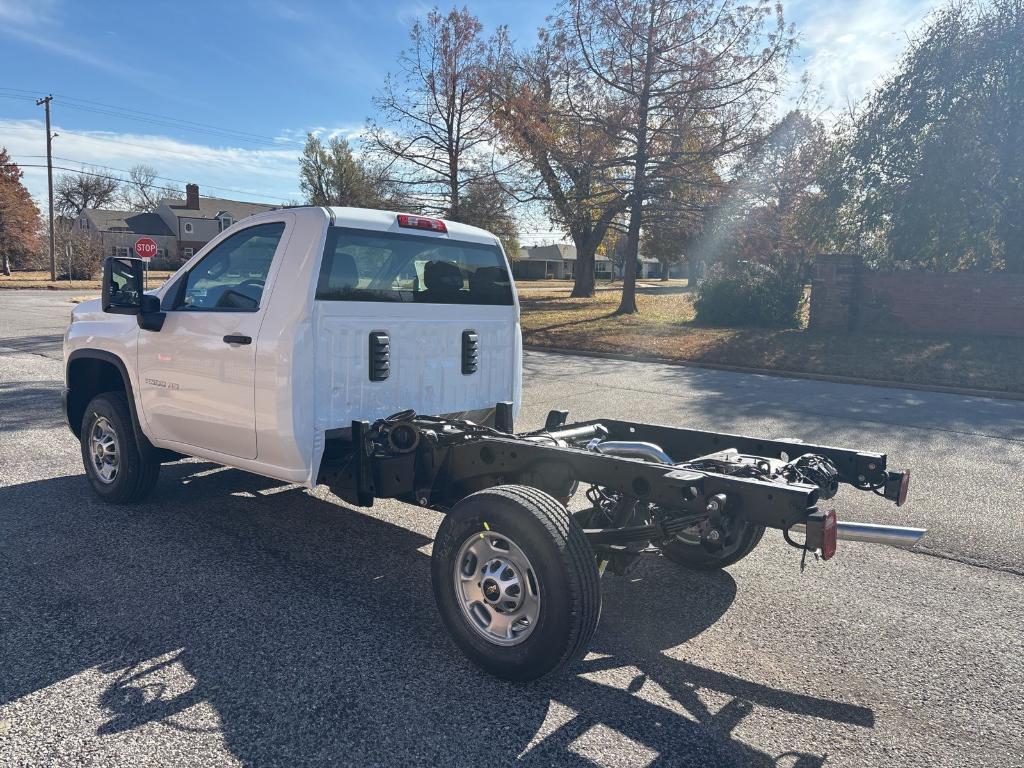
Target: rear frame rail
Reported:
[(447, 459)]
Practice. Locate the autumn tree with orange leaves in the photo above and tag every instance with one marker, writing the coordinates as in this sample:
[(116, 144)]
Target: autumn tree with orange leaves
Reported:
[(19, 217)]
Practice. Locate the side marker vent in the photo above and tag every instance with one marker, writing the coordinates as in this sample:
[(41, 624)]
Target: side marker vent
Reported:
[(380, 355), (470, 352)]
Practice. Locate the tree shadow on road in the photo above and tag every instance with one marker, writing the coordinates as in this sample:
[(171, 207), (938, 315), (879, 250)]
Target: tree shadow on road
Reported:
[(48, 345), (310, 630), (29, 405)]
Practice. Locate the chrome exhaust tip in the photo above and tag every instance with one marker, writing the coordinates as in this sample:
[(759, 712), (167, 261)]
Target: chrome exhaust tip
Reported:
[(890, 535)]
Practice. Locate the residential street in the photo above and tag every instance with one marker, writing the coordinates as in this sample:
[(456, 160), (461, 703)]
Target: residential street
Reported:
[(233, 621)]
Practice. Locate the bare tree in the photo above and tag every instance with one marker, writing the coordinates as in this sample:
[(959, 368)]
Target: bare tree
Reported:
[(694, 80), (75, 192), (434, 134), (79, 253), (542, 99), (142, 192)]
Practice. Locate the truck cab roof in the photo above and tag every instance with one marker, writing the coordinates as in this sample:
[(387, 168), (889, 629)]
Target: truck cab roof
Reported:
[(388, 221)]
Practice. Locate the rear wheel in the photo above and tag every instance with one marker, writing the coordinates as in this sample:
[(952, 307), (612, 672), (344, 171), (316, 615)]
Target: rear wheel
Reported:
[(116, 468), (516, 582), (688, 551)]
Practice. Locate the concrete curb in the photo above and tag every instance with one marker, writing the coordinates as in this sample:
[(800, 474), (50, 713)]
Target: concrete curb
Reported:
[(781, 374)]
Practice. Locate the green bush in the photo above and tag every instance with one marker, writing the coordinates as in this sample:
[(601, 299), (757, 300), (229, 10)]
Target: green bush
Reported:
[(749, 294)]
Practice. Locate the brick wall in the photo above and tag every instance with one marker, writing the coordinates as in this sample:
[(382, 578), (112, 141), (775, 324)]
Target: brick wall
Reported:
[(847, 297)]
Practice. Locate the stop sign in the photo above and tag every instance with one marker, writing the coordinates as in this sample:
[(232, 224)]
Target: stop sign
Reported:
[(145, 248)]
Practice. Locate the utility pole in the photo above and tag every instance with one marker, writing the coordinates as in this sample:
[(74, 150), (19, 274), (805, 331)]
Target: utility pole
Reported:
[(49, 178)]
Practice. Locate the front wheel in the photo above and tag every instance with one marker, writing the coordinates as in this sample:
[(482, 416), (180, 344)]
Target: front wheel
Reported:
[(516, 582), (117, 470)]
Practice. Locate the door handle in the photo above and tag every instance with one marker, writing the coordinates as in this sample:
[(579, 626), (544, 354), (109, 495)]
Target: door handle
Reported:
[(232, 339)]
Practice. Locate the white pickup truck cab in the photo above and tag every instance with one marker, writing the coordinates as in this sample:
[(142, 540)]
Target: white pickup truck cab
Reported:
[(295, 322)]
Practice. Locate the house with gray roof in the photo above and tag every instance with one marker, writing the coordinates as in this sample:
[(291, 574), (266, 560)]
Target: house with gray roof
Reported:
[(179, 227), (117, 232), (196, 220)]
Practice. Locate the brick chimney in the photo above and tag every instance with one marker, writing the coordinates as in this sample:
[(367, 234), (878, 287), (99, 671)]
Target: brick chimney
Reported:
[(192, 196)]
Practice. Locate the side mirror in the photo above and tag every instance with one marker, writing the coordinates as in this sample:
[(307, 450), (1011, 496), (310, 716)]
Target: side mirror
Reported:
[(123, 293), (122, 286)]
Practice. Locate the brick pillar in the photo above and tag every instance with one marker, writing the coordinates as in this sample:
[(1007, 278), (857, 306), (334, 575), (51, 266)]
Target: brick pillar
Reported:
[(836, 292)]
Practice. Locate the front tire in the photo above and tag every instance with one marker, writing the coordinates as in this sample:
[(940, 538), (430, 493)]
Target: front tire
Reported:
[(516, 582), (117, 470)]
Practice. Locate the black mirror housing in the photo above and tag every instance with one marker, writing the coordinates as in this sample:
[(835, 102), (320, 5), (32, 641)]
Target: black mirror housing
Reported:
[(150, 318), (123, 286)]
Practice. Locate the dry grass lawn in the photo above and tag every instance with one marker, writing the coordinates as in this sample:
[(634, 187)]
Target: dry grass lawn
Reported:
[(665, 329), (42, 279)]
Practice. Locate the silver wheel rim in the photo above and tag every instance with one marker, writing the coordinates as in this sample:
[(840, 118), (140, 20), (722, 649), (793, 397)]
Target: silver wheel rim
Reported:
[(497, 588), (103, 450)]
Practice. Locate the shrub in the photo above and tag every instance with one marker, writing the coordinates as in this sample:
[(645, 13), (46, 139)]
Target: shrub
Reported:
[(750, 294)]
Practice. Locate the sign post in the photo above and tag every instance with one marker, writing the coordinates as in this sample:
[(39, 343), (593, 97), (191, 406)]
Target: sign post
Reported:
[(145, 249)]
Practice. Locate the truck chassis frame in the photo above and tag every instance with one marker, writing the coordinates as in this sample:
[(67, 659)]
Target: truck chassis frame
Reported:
[(436, 461)]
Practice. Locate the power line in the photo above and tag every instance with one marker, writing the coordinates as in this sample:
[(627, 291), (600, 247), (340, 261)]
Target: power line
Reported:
[(278, 198), (12, 96), (152, 118), (85, 164), (163, 150)]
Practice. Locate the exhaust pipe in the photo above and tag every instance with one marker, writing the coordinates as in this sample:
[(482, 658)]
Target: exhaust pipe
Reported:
[(890, 535), (634, 449)]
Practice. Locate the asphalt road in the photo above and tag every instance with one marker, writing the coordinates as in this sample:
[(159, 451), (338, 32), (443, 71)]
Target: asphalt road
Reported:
[(231, 620)]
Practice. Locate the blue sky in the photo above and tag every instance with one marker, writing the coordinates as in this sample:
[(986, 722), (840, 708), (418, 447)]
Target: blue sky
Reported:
[(258, 75)]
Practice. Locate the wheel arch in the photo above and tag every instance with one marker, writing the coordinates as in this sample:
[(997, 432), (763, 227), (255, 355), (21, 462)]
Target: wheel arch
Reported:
[(91, 372)]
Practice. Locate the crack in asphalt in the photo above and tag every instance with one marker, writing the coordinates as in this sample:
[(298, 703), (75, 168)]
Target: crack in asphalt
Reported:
[(965, 560)]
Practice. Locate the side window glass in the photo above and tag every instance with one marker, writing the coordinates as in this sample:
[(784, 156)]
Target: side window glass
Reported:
[(232, 275)]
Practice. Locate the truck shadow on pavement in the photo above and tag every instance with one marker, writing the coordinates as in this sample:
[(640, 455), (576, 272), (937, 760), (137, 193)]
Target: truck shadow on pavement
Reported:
[(301, 632)]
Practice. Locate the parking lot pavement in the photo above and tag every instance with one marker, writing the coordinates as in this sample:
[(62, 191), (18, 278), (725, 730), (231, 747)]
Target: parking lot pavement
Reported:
[(231, 620)]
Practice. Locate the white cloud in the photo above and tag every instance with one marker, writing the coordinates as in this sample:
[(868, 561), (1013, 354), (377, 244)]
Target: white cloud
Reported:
[(408, 14), (37, 23), (26, 13), (848, 48), (351, 133), (263, 175)]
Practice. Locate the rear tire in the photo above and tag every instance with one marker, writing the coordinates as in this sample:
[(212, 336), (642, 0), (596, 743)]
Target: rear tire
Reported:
[(118, 471), (695, 557), (516, 582)]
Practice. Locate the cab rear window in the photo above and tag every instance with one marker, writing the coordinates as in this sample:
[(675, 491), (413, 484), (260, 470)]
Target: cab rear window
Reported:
[(361, 265)]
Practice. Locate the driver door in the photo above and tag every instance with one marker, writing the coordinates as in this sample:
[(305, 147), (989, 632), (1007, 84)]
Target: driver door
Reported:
[(197, 374)]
